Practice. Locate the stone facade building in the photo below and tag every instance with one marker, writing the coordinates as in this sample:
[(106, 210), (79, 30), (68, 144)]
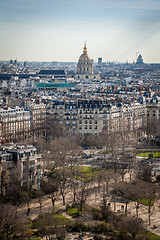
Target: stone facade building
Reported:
[(23, 123), (92, 116), (38, 118), (21, 161), (15, 123)]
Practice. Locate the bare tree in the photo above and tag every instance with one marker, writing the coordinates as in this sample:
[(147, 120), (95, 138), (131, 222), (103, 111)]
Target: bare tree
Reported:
[(124, 190), (3, 182), (130, 228), (54, 128), (114, 149), (51, 227), (8, 221), (82, 194), (144, 172), (51, 186)]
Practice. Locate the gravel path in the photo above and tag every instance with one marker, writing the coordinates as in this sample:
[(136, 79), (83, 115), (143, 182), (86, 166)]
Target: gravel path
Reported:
[(96, 201)]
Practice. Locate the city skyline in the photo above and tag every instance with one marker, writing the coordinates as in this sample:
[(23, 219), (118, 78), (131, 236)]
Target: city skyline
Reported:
[(55, 30)]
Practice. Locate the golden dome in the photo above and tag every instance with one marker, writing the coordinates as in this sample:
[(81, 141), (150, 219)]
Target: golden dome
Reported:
[(85, 65), (84, 57)]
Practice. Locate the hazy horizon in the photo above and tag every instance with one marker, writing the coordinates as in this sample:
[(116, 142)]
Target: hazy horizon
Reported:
[(55, 30)]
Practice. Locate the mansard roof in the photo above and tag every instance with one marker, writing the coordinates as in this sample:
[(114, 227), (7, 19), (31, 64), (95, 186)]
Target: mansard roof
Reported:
[(52, 72)]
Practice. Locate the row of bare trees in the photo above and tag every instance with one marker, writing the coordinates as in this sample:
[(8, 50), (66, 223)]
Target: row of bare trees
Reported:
[(62, 151)]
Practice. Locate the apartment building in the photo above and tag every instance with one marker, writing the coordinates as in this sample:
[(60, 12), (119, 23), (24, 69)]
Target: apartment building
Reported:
[(38, 118), (91, 116), (22, 160), (153, 108), (15, 123), (6, 169)]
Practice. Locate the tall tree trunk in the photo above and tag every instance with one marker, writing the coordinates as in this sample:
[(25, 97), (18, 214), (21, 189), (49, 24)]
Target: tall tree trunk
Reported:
[(81, 204), (40, 205), (130, 177), (53, 201), (126, 207), (64, 203), (114, 201), (149, 212), (107, 187), (74, 196), (99, 187), (137, 208)]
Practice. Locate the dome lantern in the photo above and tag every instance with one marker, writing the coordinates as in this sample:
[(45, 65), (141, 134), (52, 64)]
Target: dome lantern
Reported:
[(85, 49)]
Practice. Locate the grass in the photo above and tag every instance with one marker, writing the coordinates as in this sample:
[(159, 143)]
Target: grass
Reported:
[(153, 236), (60, 219), (85, 174), (146, 154), (59, 216), (144, 201), (73, 212)]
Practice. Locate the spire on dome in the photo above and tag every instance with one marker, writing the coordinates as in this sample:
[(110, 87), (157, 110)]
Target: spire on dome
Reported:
[(85, 49)]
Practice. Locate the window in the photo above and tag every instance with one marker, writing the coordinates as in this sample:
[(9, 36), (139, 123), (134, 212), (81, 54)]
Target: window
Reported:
[(38, 167), (83, 69), (24, 163), (154, 113), (85, 127), (85, 121), (95, 127), (80, 122), (95, 122), (90, 122)]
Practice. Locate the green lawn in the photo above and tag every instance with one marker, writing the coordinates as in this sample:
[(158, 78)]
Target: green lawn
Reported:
[(88, 170), (144, 201), (153, 236), (85, 174), (73, 212), (146, 154), (58, 216), (60, 219)]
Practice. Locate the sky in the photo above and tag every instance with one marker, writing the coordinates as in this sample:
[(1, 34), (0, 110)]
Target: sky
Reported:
[(55, 30)]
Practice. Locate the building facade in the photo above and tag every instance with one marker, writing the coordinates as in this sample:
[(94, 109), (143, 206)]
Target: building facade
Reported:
[(15, 123), (92, 116), (38, 118), (22, 162), (23, 123)]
